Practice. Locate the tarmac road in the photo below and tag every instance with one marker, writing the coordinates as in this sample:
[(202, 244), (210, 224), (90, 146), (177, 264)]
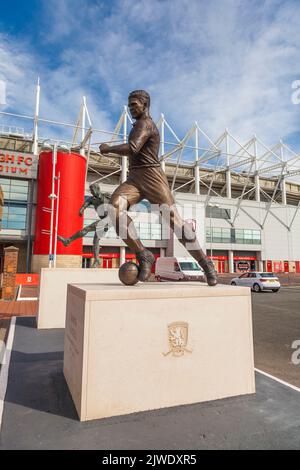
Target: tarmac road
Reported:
[(276, 324)]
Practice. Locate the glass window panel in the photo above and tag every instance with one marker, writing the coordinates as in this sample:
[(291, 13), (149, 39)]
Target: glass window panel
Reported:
[(217, 213), (17, 210), (15, 225), (144, 234), (17, 196), (5, 192), (18, 189), (18, 182), (14, 189), (5, 189), (155, 237), (226, 232), (16, 218)]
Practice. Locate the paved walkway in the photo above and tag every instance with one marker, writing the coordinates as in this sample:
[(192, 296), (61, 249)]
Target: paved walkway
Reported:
[(18, 308), (39, 412)]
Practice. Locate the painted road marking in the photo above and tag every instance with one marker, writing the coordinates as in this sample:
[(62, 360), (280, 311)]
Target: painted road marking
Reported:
[(5, 366), (278, 380)]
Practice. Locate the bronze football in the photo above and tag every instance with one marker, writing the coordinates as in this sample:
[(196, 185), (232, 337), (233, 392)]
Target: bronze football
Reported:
[(128, 274)]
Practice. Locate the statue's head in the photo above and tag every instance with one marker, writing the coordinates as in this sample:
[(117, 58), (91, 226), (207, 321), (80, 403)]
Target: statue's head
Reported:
[(95, 189), (138, 103)]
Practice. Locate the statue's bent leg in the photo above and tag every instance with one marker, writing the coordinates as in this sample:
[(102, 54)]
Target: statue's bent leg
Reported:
[(188, 238), (158, 192), (126, 195), (79, 234), (96, 249)]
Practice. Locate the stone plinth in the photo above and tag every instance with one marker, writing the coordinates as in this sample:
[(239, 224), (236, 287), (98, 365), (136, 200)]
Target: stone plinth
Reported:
[(156, 345), (53, 291), (62, 261)]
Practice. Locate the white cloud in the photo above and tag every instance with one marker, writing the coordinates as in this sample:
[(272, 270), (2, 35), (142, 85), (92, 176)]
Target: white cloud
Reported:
[(61, 89), (223, 63)]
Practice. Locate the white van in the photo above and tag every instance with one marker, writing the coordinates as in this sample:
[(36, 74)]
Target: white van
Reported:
[(178, 269)]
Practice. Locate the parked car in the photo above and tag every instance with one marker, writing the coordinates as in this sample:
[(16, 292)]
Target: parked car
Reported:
[(178, 269), (258, 281)]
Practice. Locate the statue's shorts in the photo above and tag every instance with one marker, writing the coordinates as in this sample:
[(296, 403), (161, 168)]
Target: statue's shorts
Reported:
[(145, 183), (151, 183)]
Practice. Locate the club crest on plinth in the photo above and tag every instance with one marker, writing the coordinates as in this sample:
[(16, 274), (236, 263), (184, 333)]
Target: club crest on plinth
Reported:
[(178, 338)]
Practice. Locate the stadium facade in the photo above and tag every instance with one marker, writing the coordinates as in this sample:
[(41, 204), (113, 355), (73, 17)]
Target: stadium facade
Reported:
[(242, 198)]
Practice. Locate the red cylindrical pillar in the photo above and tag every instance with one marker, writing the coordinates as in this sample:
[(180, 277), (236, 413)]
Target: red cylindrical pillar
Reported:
[(72, 168)]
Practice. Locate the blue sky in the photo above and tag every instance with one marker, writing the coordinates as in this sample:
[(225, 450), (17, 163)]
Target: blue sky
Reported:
[(224, 63)]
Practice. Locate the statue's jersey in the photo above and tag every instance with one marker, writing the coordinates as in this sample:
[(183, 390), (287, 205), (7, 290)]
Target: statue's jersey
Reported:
[(144, 144)]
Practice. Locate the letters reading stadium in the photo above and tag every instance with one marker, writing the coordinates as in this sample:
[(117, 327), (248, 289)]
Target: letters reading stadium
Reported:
[(241, 197)]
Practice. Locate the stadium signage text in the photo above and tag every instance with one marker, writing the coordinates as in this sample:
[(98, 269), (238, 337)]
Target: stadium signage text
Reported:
[(18, 165)]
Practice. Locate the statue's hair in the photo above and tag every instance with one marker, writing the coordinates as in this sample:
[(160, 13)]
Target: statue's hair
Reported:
[(141, 95)]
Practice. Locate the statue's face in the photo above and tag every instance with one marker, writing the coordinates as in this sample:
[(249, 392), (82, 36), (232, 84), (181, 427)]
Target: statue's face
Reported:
[(95, 190), (136, 107)]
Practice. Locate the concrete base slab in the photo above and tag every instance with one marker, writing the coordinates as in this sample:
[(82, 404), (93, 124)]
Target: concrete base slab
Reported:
[(156, 345), (39, 412), (53, 291)]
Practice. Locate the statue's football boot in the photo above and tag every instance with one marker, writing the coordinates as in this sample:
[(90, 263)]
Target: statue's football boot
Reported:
[(146, 261), (209, 271)]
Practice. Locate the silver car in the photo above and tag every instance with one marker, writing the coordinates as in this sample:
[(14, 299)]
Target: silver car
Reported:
[(258, 281)]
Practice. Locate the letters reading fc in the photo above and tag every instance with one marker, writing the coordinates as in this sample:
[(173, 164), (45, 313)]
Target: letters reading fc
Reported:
[(178, 338)]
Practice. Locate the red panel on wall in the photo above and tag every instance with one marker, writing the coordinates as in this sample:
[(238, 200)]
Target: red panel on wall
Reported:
[(71, 167), (278, 267), (286, 266), (269, 266), (27, 279)]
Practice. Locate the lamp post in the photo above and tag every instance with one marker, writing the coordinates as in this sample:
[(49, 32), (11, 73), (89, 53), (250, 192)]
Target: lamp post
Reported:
[(57, 146), (211, 206)]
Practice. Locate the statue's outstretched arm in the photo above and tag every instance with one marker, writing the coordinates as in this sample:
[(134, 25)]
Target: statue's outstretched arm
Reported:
[(122, 149), (84, 206)]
